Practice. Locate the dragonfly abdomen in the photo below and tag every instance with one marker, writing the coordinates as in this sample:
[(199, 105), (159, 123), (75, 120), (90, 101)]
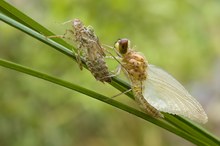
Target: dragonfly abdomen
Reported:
[(144, 105)]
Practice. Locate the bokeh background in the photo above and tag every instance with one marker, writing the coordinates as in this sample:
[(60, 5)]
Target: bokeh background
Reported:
[(182, 37)]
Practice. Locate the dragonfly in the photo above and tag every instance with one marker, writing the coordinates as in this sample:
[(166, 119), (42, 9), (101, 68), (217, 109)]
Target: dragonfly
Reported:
[(89, 49), (154, 89)]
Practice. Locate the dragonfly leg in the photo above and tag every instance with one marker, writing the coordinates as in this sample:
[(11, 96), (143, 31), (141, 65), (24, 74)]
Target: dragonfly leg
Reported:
[(110, 57), (63, 35), (121, 93)]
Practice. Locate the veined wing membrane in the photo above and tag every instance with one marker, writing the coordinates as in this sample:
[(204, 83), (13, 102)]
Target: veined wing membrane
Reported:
[(166, 94)]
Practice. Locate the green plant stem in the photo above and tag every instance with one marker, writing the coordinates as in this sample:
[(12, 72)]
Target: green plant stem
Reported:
[(187, 125), (159, 122)]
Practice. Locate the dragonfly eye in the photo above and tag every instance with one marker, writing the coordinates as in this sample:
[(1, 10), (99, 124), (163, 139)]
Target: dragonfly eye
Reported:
[(122, 45)]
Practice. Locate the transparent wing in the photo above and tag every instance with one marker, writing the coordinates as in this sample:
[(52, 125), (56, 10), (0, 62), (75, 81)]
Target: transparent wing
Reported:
[(166, 94)]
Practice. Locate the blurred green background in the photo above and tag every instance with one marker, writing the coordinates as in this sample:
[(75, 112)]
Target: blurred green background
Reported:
[(183, 37)]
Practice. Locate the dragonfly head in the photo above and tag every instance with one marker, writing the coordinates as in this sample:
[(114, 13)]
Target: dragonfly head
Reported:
[(122, 46)]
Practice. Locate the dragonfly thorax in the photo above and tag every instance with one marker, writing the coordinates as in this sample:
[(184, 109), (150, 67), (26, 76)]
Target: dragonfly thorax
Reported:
[(135, 65)]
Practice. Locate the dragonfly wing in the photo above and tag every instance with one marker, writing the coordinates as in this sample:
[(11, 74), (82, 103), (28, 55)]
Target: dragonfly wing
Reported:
[(166, 94)]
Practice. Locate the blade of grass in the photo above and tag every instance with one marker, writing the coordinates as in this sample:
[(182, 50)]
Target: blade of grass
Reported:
[(37, 35), (186, 125), (160, 122)]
